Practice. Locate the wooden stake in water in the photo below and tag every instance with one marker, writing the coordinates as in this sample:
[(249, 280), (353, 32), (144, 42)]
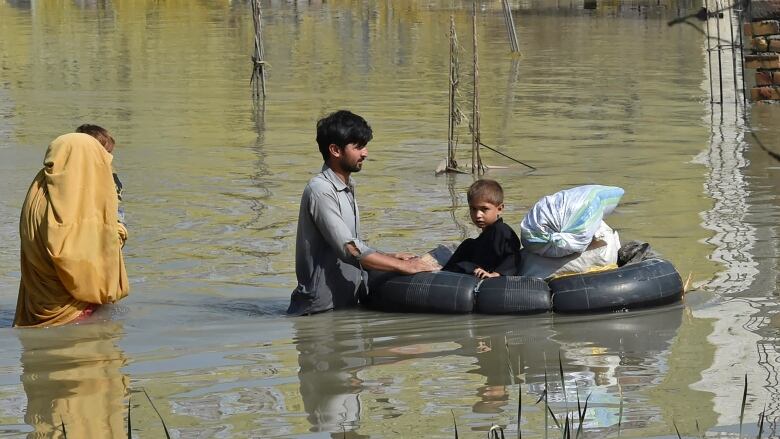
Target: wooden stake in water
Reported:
[(510, 26), (476, 160), (733, 47), (720, 51), (740, 23), (258, 57), (452, 165), (709, 54)]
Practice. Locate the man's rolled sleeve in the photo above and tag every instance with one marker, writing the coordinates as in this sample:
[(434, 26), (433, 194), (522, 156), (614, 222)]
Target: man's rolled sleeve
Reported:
[(325, 212), (363, 249)]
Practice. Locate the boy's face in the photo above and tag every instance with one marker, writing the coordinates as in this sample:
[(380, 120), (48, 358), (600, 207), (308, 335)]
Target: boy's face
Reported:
[(484, 213)]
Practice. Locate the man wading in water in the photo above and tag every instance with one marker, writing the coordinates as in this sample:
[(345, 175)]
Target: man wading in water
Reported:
[(330, 258)]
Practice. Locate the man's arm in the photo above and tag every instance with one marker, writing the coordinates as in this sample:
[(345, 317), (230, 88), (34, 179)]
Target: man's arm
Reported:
[(382, 262), (324, 210)]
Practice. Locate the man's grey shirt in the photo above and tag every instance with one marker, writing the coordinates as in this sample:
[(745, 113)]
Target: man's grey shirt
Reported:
[(328, 276)]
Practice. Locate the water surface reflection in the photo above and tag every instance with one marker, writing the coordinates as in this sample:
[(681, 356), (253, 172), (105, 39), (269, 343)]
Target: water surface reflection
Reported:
[(362, 368), (73, 380)]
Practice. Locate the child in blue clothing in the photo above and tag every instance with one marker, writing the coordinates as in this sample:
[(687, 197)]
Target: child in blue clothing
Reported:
[(496, 251)]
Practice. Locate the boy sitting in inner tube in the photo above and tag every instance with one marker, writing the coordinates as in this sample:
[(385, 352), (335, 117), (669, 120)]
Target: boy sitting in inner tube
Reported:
[(496, 251)]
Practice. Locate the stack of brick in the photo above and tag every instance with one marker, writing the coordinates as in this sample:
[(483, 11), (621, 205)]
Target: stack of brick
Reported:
[(763, 32)]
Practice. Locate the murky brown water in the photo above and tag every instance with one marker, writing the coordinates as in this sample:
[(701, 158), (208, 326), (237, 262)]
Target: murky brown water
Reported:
[(610, 96)]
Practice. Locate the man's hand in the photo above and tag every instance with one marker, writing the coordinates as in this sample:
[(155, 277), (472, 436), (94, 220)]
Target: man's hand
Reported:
[(403, 256), (482, 274), (387, 262), (416, 265)]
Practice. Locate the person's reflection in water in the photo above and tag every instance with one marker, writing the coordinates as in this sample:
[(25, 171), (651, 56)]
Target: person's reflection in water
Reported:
[(72, 376), (493, 395), (507, 356), (330, 355)]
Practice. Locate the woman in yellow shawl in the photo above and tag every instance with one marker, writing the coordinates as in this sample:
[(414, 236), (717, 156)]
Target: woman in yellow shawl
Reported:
[(71, 241)]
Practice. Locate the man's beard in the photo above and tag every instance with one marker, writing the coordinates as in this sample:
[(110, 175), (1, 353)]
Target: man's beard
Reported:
[(352, 167)]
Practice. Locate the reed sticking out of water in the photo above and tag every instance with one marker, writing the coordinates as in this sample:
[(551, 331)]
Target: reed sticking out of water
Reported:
[(742, 408), (519, 409), (563, 386), (258, 57), (510, 27), (165, 428), (581, 413), (129, 422), (496, 432), (455, 423), (620, 413), (476, 159), (687, 284)]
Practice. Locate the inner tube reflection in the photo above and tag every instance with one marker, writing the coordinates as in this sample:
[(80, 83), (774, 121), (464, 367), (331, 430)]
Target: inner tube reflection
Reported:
[(341, 358), (335, 350), (614, 354)]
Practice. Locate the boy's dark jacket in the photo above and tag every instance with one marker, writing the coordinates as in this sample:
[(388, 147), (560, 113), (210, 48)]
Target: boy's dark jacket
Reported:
[(496, 249)]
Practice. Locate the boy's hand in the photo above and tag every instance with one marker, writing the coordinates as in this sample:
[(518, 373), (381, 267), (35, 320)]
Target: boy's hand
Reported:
[(482, 274)]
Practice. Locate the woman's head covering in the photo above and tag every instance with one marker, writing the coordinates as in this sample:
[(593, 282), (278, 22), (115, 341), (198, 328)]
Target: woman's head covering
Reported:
[(70, 236)]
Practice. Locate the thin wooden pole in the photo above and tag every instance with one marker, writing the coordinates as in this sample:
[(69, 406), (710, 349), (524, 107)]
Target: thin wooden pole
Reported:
[(709, 53), (451, 163), (510, 26), (740, 27), (733, 55), (258, 57), (476, 160), (720, 61)]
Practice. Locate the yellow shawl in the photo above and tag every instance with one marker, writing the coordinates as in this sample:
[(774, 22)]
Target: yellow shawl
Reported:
[(71, 241)]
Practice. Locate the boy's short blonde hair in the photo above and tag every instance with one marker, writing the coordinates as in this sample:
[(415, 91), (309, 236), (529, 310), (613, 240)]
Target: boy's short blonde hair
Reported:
[(486, 190)]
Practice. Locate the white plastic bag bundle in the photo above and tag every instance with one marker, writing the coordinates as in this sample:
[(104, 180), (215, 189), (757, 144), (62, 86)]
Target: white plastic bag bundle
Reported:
[(565, 222), (602, 252)]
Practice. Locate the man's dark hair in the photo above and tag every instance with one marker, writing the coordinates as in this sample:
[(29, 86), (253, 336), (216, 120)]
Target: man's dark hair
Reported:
[(101, 134), (485, 190), (342, 128)]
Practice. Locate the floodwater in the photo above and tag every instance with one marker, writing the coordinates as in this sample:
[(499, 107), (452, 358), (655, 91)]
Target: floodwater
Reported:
[(610, 95)]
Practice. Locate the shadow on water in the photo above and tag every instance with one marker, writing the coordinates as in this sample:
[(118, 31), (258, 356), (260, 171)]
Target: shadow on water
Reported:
[(72, 376), (249, 308), (342, 357)]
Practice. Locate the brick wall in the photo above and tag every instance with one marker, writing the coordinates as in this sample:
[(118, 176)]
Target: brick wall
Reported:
[(763, 35)]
